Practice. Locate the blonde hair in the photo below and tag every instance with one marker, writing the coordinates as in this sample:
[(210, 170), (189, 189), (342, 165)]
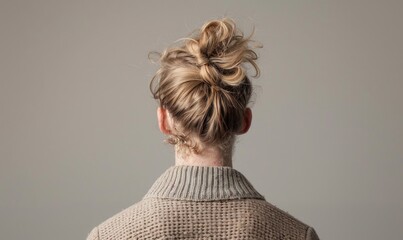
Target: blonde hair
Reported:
[(203, 85)]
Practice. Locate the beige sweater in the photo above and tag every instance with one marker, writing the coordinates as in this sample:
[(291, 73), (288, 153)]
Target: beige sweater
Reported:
[(195, 202)]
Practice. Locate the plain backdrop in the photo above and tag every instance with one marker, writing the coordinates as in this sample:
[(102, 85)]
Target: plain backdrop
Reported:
[(79, 140)]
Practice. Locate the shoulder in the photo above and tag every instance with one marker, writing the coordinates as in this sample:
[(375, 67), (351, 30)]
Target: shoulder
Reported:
[(125, 223), (280, 219)]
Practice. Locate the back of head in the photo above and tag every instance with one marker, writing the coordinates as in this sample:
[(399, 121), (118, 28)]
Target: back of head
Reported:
[(204, 85)]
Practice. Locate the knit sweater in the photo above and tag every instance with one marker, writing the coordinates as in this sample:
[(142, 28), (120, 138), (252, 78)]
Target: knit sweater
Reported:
[(202, 202)]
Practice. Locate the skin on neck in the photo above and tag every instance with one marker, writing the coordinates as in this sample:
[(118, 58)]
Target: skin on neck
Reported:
[(209, 156)]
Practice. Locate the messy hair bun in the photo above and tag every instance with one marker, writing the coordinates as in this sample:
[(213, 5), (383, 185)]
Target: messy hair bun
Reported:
[(203, 84)]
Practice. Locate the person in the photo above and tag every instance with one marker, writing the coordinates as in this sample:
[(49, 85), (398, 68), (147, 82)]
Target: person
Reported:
[(203, 90)]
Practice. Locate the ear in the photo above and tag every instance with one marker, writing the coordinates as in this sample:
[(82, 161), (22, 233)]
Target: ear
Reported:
[(163, 122), (247, 121)]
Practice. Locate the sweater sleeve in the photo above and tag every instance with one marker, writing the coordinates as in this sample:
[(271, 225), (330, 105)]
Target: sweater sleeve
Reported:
[(311, 234), (93, 235)]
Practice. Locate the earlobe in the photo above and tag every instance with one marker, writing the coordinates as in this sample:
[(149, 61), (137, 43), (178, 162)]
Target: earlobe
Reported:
[(247, 121), (163, 121)]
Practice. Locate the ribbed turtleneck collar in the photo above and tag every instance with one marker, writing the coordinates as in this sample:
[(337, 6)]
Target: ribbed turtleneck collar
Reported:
[(202, 183)]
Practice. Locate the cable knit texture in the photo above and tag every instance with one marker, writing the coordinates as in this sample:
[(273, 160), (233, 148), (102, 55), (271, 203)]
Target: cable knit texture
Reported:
[(202, 202)]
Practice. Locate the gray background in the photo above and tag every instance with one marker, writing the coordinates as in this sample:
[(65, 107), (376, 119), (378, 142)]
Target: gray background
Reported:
[(78, 134)]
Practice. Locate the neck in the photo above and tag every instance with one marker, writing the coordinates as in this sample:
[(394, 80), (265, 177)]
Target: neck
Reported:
[(209, 156)]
